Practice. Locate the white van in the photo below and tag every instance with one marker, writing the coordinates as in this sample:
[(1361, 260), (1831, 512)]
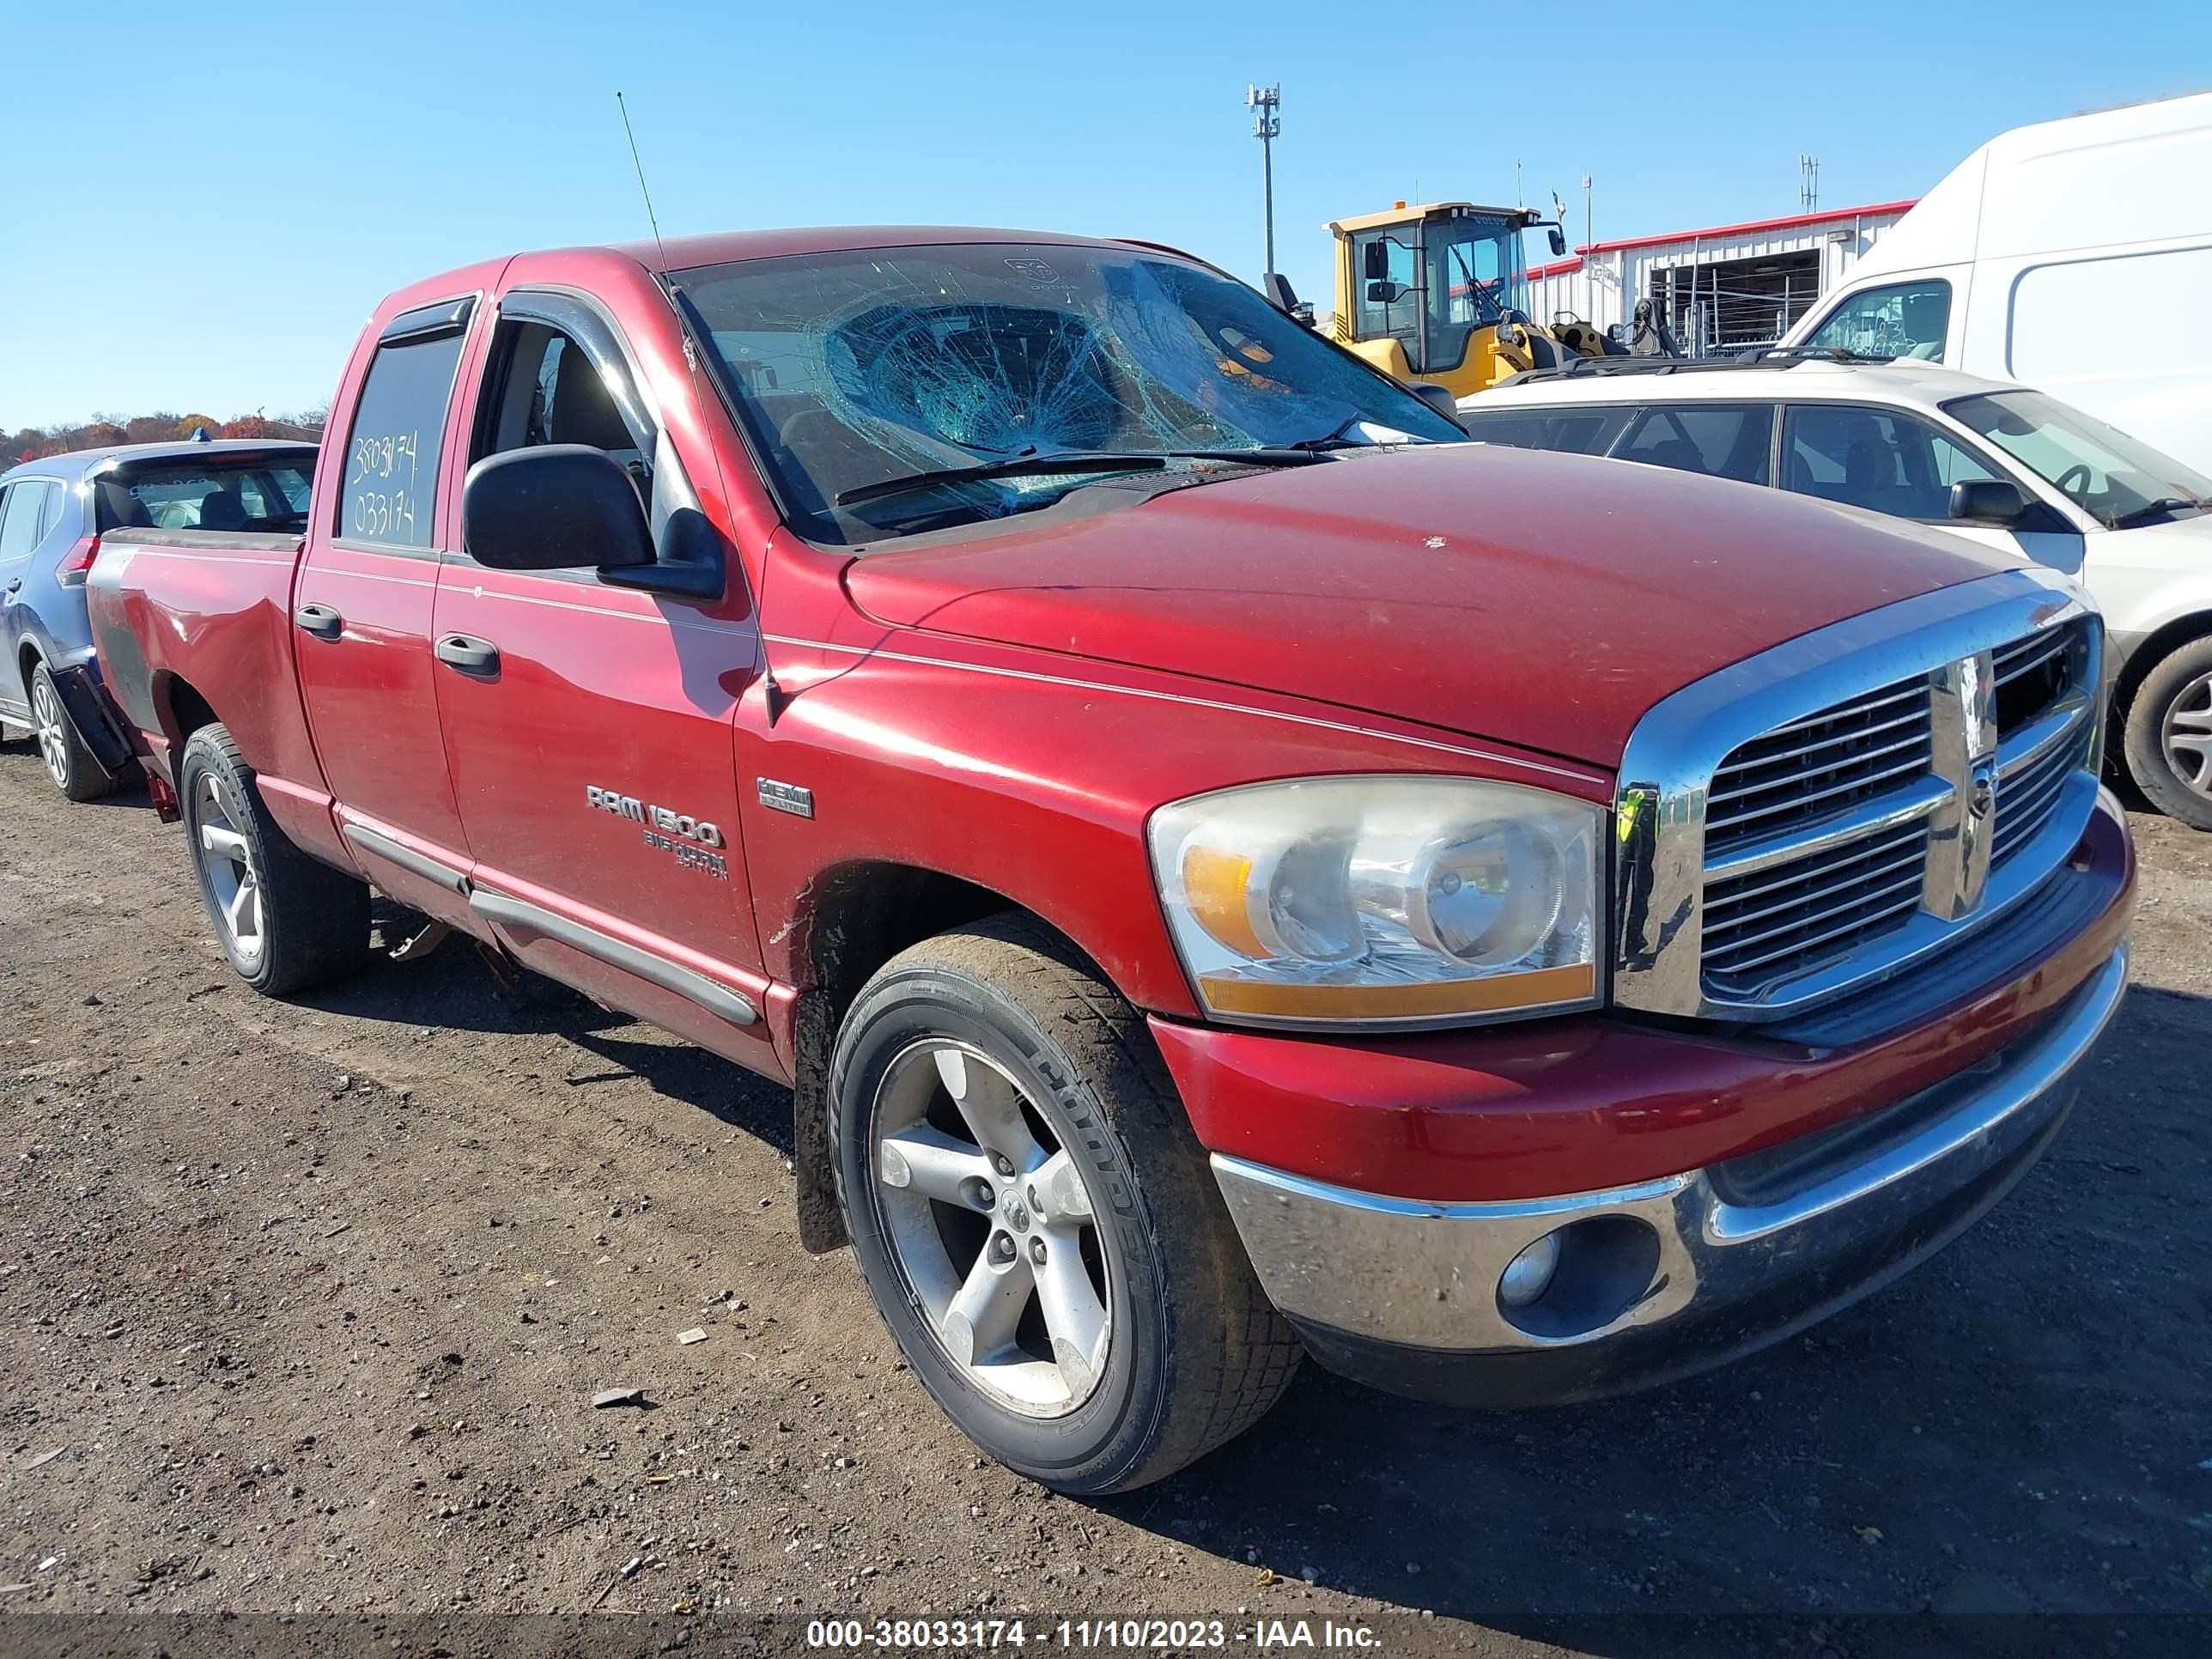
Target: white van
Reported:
[(2072, 256)]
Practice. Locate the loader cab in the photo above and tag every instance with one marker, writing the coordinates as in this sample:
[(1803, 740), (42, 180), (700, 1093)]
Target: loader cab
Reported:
[(1421, 292)]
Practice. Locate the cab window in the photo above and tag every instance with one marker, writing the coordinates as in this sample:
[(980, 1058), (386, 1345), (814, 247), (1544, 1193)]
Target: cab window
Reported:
[(390, 492), (1386, 307), (545, 389), (1906, 319), (1873, 459), (1470, 285), (1722, 440)]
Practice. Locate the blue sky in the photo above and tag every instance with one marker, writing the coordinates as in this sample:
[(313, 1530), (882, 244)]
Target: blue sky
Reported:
[(226, 192)]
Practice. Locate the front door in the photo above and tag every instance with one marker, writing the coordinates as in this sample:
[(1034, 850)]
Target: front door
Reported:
[(589, 726), (1886, 461)]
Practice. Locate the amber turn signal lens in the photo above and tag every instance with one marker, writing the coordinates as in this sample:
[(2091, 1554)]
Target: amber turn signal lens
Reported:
[(1541, 987), (1217, 886)]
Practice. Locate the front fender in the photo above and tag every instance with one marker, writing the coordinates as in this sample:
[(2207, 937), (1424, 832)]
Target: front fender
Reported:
[(1032, 776)]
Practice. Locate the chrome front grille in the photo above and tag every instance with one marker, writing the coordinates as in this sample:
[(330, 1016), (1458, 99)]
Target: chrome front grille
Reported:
[(2027, 799), (2033, 673), (1944, 765), (1798, 774), (1778, 921), (2035, 677)]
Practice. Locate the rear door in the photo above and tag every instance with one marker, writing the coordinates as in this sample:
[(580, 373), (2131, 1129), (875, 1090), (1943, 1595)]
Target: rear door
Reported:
[(361, 612), (588, 726)]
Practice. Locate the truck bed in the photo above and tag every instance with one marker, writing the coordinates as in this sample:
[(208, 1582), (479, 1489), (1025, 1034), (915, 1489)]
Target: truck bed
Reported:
[(187, 620)]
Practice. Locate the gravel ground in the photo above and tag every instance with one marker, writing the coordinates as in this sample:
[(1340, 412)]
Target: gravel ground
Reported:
[(302, 1307)]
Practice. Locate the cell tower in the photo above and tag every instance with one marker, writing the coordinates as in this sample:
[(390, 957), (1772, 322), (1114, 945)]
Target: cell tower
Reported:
[(1264, 102)]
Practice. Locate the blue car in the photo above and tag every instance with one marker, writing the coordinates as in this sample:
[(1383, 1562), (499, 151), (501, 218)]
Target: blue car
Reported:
[(52, 514)]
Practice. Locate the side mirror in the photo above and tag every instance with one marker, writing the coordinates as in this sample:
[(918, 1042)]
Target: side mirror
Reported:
[(1559, 242), (1386, 293), (1988, 501), (1277, 287), (558, 507), (1375, 260), (1437, 398)]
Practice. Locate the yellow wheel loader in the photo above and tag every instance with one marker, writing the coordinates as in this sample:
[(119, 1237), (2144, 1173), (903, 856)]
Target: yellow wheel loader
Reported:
[(1438, 295)]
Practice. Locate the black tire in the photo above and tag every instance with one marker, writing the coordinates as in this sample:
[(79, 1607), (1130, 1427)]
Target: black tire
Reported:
[(1194, 1353), (2179, 684), (69, 763), (310, 922)]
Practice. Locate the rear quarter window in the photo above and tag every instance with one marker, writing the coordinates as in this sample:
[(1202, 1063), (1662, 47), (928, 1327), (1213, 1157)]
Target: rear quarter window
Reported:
[(1722, 440), (1582, 430), (398, 437)]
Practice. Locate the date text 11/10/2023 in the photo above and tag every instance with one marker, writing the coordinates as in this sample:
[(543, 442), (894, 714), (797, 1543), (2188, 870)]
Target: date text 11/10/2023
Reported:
[(1138, 1635)]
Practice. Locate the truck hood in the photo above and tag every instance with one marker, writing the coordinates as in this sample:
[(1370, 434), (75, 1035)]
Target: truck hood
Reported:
[(1529, 598)]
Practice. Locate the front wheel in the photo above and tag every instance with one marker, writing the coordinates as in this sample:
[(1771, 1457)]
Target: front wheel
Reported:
[(285, 921), (2169, 735), (1035, 1220)]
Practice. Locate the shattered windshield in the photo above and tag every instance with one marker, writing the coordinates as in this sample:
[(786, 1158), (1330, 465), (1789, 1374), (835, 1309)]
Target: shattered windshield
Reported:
[(857, 369)]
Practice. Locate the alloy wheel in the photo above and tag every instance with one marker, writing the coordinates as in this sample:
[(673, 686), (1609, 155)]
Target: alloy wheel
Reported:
[(991, 1224), (2187, 735), (47, 722), (233, 879)]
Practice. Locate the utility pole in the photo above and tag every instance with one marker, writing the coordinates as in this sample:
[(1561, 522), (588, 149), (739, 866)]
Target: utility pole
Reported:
[(1264, 102)]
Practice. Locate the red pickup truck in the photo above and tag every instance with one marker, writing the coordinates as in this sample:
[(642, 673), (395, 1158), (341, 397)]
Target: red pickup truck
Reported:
[(1228, 867)]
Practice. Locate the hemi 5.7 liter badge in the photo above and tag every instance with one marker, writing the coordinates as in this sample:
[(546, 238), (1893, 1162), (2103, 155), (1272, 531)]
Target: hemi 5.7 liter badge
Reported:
[(787, 798)]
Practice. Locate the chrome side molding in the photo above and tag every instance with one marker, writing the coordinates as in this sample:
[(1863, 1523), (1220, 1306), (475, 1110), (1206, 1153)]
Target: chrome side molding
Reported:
[(521, 916), (406, 857)]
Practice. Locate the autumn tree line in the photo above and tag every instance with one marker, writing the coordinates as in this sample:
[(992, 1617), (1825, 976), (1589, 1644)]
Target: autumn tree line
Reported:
[(104, 431)]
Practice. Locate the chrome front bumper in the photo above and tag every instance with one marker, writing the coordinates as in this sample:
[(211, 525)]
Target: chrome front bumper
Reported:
[(1666, 1278)]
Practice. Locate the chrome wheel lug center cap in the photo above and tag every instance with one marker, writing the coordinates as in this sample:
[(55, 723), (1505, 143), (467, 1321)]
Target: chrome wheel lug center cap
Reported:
[(1016, 1213)]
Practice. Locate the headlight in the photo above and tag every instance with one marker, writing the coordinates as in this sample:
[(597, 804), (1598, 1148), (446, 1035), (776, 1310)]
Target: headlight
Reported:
[(1391, 900)]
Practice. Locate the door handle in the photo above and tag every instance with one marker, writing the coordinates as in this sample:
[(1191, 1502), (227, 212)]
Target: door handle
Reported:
[(469, 654), (319, 620), (16, 587)]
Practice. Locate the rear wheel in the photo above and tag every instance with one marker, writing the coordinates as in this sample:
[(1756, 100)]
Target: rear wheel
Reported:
[(2169, 735), (69, 763), (1035, 1220), (285, 920)]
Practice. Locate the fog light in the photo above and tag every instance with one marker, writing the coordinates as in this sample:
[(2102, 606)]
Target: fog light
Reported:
[(1529, 1273)]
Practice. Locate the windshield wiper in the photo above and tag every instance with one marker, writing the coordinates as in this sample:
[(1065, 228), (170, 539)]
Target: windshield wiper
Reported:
[(1329, 440), (2164, 505), (1073, 461), (1341, 438)]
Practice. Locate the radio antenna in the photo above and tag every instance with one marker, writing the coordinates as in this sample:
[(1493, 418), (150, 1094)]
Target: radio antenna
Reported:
[(651, 217), (689, 320)]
